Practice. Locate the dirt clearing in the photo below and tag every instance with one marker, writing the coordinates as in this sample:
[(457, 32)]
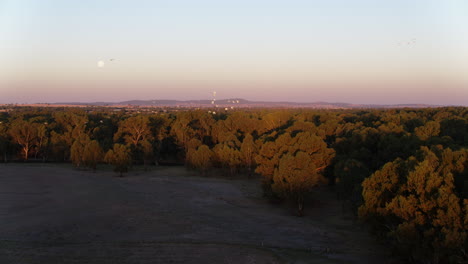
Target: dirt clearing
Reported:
[(57, 214)]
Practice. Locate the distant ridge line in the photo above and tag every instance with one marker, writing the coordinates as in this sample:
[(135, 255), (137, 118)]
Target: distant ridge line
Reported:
[(233, 103), (243, 103)]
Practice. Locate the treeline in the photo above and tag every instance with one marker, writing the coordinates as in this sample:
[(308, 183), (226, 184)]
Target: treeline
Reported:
[(403, 171)]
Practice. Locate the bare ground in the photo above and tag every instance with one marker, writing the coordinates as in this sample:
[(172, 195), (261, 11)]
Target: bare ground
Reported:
[(57, 214)]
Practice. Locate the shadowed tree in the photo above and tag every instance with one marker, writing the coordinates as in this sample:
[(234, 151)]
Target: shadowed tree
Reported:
[(228, 157), (42, 140), (119, 156), (200, 158), (102, 128), (4, 140), (191, 148), (159, 130), (182, 130), (69, 125), (77, 150), (86, 152), (349, 175), (456, 128), (92, 154), (205, 124)]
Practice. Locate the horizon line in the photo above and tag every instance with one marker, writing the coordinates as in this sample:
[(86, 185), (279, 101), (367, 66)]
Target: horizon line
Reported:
[(233, 98)]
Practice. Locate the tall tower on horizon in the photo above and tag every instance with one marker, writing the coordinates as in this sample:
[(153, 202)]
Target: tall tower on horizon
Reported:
[(213, 99)]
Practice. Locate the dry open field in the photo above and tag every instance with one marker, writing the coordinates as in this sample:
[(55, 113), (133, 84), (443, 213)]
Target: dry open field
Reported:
[(57, 214)]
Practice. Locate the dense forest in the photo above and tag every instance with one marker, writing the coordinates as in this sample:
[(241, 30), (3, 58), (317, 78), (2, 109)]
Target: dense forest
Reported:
[(404, 172)]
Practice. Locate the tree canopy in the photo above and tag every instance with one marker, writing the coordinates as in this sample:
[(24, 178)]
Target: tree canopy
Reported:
[(403, 171)]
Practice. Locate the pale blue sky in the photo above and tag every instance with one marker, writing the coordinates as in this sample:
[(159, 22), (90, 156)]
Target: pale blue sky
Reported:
[(354, 51)]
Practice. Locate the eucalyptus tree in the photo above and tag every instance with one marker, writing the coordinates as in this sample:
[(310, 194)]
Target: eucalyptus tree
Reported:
[(25, 134), (291, 166), (415, 203), (119, 157), (136, 133)]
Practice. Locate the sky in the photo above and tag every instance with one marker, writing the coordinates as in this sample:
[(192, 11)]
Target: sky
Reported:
[(355, 51)]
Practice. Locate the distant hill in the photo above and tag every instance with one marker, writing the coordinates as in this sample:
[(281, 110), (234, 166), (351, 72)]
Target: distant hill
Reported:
[(240, 103)]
